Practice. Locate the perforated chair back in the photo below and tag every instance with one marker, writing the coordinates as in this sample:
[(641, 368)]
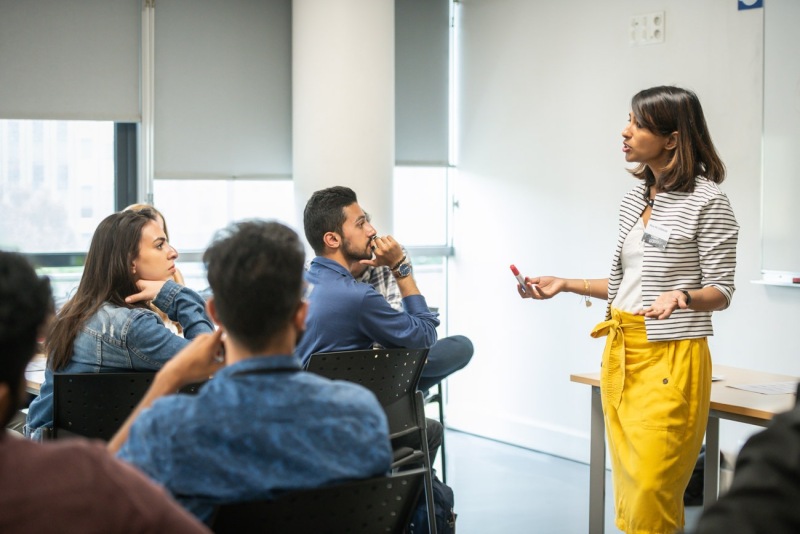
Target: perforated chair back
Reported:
[(391, 374), (382, 504), (95, 405)]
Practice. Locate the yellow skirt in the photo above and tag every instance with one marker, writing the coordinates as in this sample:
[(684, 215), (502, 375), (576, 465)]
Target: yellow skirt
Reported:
[(656, 398)]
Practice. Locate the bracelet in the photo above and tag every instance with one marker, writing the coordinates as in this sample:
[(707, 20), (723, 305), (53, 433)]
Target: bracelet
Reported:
[(587, 288), (396, 265), (687, 295)]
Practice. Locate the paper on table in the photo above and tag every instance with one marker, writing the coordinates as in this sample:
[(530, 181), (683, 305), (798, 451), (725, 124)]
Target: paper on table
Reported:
[(774, 388), (35, 365)]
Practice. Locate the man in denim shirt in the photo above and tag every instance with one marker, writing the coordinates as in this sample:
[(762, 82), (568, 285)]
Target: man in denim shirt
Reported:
[(261, 426)]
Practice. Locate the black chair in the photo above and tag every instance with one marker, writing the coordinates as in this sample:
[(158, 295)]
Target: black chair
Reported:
[(381, 504), (438, 398), (392, 375), (95, 405)]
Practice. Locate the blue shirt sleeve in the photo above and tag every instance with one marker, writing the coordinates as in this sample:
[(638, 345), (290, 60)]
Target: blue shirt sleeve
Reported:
[(413, 328), (150, 343)]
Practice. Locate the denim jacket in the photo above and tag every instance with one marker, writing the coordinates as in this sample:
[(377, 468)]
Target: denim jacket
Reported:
[(125, 339)]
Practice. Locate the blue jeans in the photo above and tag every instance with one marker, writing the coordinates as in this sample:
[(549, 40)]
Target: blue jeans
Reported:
[(445, 357)]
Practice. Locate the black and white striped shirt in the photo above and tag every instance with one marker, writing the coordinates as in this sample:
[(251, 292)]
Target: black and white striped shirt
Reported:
[(701, 252)]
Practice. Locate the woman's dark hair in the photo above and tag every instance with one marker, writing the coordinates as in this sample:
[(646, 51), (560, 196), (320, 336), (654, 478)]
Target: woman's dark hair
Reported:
[(25, 305), (140, 207), (664, 110), (255, 270), (107, 277), (324, 212)]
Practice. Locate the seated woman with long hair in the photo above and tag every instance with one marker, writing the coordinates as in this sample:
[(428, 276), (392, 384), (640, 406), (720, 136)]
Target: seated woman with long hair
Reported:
[(177, 276), (109, 325)]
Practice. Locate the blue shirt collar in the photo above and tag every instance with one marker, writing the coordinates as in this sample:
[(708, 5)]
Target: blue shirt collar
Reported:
[(328, 263), (258, 363)]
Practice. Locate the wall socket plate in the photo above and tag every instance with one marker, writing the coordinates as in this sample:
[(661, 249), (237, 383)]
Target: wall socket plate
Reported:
[(647, 29)]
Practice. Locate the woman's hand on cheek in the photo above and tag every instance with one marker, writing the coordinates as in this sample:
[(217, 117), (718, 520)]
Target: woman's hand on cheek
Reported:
[(148, 290)]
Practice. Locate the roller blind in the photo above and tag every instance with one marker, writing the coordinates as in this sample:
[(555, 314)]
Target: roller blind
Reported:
[(422, 37), (69, 59), (222, 89)]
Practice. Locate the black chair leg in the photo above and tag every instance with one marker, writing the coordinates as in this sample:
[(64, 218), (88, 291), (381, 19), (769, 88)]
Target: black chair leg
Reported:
[(438, 398), (427, 459), (444, 432)]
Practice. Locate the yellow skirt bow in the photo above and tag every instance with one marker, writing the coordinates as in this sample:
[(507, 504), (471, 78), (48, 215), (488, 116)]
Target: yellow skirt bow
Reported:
[(656, 399)]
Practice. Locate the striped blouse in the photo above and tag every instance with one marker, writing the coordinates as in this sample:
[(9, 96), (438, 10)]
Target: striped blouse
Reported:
[(701, 252)]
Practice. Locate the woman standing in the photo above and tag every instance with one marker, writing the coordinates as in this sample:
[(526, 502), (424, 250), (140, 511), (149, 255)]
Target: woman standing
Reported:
[(108, 325), (674, 264)]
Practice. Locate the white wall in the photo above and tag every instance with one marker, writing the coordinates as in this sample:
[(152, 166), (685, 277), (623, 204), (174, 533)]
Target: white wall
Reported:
[(544, 90)]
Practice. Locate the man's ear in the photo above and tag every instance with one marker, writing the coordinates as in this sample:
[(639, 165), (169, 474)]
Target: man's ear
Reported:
[(672, 141), (211, 310), (332, 240), (6, 402), (299, 319)]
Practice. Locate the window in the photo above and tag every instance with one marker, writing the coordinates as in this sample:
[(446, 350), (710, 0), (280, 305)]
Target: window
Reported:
[(47, 209), (421, 210), (196, 209), (420, 200), (57, 182)]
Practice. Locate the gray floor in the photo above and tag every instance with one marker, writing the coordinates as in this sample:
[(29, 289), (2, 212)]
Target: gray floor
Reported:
[(504, 489)]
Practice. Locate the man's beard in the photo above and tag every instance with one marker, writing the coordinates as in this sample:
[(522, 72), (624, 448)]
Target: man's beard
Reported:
[(351, 254)]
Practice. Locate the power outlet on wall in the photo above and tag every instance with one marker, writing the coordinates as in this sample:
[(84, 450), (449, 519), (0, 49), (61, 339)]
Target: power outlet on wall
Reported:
[(647, 29)]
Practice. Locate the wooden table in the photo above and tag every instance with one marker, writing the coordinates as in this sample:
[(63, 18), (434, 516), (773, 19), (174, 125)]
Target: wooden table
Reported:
[(34, 374), (726, 403)]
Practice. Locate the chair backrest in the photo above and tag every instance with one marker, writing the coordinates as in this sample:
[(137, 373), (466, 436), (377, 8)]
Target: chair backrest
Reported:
[(95, 405), (391, 374), (382, 504)]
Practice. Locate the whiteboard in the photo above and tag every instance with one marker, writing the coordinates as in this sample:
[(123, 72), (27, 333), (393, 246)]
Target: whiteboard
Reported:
[(780, 227)]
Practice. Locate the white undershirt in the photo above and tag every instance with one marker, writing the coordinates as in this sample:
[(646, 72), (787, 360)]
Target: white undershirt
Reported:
[(629, 296)]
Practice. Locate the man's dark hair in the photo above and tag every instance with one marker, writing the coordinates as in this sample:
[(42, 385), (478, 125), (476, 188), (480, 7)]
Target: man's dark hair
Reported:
[(324, 213), (255, 270), (25, 305)]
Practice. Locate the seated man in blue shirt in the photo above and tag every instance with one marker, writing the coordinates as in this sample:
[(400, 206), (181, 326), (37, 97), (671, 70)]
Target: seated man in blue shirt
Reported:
[(69, 486), (345, 314), (447, 355), (260, 426)]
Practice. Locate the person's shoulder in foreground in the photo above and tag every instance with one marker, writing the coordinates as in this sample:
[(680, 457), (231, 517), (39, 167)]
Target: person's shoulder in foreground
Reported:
[(62, 487), (77, 486), (765, 493)]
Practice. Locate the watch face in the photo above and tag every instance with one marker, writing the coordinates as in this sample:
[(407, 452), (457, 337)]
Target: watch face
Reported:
[(404, 269)]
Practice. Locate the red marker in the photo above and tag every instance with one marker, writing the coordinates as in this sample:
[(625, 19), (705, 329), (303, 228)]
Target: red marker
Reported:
[(520, 279)]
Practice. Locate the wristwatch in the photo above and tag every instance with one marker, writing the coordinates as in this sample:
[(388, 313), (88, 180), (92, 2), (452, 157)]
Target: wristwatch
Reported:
[(402, 269), (688, 297)]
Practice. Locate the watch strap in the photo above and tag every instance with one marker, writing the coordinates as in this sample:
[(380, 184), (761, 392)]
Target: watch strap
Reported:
[(399, 263)]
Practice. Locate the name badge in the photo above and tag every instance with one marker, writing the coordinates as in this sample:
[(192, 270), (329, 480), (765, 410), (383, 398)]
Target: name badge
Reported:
[(656, 235)]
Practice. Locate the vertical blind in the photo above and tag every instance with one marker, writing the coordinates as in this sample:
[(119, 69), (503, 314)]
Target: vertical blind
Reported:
[(422, 58), (69, 59), (222, 88), (222, 77)]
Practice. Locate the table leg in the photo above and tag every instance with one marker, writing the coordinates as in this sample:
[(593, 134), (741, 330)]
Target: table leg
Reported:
[(597, 466), (711, 467)]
